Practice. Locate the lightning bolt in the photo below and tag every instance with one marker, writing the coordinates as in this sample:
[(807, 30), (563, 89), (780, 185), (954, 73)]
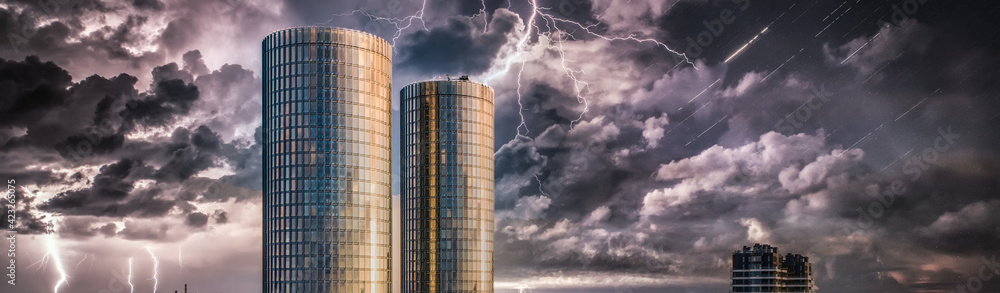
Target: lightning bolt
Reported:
[(81, 260), (131, 287), (156, 268), (552, 37), (540, 186), (400, 24), (482, 11), (180, 260), (576, 82), (57, 260)]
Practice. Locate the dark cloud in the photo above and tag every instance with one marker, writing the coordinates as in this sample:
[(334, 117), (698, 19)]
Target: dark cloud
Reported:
[(319, 11), (170, 72), (72, 130), (110, 182), (112, 194), (30, 177), (55, 39), (93, 142), (311, 12), (457, 48), (48, 106), (196, 220), (169, 99), (73, 41), (247, 164), (220, 216), (32, 89), (148, 4), (189, 154), (63, 8), (56, 112), (27, 220), (117, 110)]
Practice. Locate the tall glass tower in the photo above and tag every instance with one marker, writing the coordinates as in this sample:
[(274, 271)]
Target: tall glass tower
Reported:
[(327, 131), (447, 186)]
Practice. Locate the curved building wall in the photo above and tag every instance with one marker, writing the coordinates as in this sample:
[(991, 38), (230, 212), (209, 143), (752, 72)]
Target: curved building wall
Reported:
[(447, 186), (327, 112)]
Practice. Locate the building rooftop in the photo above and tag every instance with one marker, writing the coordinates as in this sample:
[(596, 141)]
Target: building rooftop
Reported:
[(758, 248)]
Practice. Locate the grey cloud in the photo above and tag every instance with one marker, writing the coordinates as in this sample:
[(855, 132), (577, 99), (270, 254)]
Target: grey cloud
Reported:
[(65, 38), (230, 101), (194, 64), (457, 48), (85, 227), (144, 231), (179, 33), (108, 230)]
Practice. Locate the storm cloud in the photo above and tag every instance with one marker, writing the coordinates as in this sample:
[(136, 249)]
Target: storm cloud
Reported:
[(858, 134)]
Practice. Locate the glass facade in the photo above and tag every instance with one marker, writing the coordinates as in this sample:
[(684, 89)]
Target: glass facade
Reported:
[(447, 186), (327, 113)]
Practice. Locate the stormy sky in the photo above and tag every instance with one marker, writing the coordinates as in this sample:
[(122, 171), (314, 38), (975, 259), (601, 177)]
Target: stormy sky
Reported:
[(638, 143)]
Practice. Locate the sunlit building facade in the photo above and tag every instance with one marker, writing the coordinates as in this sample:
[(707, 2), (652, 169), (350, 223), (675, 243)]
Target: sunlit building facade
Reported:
[(447, 186), (327, 112)]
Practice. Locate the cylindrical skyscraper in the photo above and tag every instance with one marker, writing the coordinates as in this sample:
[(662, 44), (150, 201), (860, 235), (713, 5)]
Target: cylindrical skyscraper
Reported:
[(327, 112), (447, 186)]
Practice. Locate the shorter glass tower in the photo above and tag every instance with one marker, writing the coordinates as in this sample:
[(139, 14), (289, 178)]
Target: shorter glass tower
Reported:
[(762, 269), (447, 186)]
